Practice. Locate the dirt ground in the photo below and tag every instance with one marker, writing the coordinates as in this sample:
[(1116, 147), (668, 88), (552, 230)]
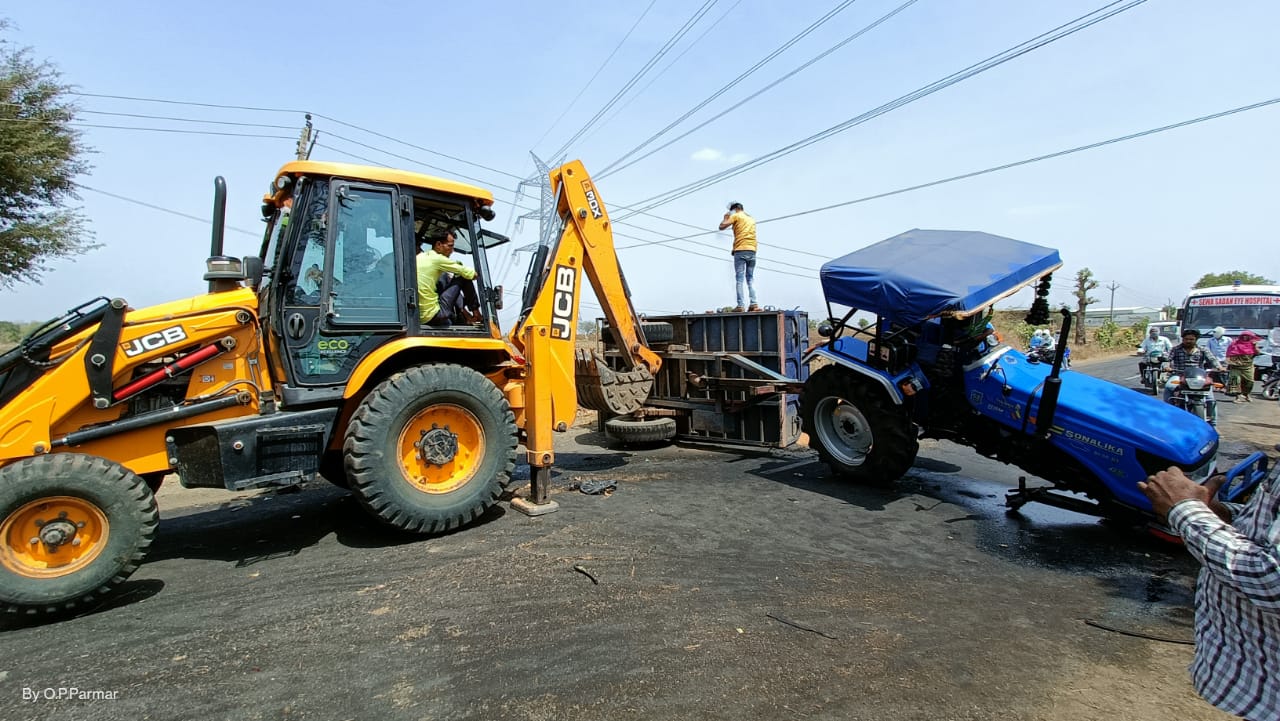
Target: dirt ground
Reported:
[(710, 584)]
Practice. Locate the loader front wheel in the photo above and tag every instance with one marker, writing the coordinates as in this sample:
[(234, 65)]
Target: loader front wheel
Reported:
[(855, 429), (431, 448), (72, 528)]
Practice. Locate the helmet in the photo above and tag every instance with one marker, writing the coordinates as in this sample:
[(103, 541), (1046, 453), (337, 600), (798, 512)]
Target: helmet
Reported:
[(1219, 332), (1152, 330)]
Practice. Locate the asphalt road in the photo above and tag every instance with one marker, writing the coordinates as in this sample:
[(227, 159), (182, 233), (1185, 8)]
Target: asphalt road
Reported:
[(723, 585)]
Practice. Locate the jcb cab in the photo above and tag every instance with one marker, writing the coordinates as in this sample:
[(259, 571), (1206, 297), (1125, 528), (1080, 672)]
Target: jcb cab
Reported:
[(307, 359)]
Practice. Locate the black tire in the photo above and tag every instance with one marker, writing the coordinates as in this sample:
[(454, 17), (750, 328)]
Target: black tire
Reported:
[(107, 506), (419, 495), (648, 430), (658, 332), (855, 428), (655, 332), (333, 469)]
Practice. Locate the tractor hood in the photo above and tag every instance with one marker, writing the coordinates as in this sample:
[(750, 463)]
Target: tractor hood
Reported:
[(1095, 419)]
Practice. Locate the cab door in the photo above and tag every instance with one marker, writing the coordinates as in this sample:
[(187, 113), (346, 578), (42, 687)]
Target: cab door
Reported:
[(345, 292)]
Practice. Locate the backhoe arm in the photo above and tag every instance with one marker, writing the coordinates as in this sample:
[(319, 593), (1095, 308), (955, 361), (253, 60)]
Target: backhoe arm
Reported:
[(560, 376)]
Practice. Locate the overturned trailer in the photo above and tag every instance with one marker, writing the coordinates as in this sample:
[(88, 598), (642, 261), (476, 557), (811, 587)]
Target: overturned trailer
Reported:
[(726, 378)]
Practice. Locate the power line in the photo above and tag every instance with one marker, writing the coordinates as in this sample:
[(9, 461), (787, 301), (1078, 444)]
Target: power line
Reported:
[(596, 74), (162, 209), (1064, 30), (996, 168), (843, 5), (371, 147), (618, 110), (666, 48), (295, 111), (151, 130), (525, 208), (770, 86), (185, 120)]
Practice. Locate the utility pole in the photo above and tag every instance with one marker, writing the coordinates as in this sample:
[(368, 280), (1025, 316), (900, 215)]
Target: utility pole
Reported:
[(304, 139), (1111, 314)]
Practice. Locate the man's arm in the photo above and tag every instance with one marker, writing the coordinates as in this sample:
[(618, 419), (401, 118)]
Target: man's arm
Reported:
[(1232, 558), (448, 265), (728, 221)]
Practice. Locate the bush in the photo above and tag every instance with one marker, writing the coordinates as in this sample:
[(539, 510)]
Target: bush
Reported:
[(1111, 336)]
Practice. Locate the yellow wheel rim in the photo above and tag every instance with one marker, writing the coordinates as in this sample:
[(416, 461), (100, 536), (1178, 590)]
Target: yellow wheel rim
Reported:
[(52, 537), (441, 448)]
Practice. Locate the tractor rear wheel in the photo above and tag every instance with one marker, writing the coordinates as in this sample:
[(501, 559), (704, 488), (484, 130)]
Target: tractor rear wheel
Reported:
[(72, 528), (855, 429), (431, 448)]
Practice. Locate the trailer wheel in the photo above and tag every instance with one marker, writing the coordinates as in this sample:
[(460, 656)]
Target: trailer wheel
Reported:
[(72, 528), (654, 332), (431, 448), (855, 429), (658, 332), (648, 430)]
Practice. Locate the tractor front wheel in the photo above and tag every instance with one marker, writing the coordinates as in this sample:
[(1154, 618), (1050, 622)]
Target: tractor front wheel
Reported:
[(855, 429), (72, 528), (431, 448)]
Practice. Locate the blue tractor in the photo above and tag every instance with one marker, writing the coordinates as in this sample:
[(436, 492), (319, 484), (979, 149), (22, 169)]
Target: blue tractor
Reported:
[(910, 354)]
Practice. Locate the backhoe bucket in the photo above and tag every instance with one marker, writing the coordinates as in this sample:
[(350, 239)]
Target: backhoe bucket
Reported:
[(600, 388)]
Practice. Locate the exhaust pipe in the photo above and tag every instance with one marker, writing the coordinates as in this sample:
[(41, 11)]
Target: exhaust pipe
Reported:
[(1053, 384), (223, 273)]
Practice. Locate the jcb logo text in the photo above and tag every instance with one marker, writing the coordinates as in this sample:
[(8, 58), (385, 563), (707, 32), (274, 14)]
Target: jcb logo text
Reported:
[(152, 341), (562, 303)]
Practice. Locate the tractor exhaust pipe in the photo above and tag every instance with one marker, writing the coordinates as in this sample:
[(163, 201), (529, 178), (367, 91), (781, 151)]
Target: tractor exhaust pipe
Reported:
[(1053, 384)]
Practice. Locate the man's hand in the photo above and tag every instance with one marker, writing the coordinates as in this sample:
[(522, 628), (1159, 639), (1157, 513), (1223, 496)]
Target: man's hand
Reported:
[(1168, 488)]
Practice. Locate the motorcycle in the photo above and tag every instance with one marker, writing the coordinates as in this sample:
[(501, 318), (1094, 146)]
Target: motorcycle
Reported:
[(1044, 354), (1271, 380), (1154, 373), (1193, 392)]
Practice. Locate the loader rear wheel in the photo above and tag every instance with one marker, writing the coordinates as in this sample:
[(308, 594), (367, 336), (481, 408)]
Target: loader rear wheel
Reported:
[(855, 429), (72, 528), (431, 448)]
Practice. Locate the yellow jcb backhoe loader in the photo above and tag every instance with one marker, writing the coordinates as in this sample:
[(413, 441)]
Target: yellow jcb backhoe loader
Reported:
[(307, 359)]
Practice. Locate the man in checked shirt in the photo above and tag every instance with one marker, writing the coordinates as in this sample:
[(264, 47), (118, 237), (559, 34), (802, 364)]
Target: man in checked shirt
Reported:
[(1237, 658)]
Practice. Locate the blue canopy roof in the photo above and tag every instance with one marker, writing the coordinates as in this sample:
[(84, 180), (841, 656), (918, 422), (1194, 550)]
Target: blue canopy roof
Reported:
[(925, 273)]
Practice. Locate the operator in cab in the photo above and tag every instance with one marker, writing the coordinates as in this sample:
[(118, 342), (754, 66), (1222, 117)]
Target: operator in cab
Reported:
[(438, 306)]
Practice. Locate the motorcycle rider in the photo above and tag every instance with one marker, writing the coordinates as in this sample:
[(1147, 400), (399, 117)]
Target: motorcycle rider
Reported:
[(1190, 355), (1152, 343)]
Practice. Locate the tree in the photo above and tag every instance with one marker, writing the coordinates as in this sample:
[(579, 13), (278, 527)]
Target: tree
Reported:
[(1230, 277), (40, 157), (1084, 284)]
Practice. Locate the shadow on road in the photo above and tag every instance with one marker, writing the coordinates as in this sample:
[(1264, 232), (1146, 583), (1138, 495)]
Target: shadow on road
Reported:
[(261, 528)]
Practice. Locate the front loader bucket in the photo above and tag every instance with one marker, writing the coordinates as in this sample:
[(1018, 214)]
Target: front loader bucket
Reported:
[(600, 388)]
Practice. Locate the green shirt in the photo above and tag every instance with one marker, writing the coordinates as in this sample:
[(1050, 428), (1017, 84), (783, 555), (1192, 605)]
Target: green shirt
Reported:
[(430, 265)]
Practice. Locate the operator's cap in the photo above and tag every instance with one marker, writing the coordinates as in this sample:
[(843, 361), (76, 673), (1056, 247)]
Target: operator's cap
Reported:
[(735, 205)]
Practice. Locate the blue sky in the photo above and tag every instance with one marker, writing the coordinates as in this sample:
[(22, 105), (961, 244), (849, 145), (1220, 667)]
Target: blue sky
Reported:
[(484, 83)]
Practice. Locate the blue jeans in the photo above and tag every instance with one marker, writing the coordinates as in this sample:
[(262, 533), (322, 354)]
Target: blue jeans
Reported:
[(744, 268)]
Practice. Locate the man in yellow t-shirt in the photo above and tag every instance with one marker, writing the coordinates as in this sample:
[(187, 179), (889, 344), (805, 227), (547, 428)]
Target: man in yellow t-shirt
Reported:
[(744, 252), (436, 307)]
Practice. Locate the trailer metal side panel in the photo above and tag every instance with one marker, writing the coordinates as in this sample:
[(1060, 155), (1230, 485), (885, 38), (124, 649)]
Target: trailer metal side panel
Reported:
[(717, 346)]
